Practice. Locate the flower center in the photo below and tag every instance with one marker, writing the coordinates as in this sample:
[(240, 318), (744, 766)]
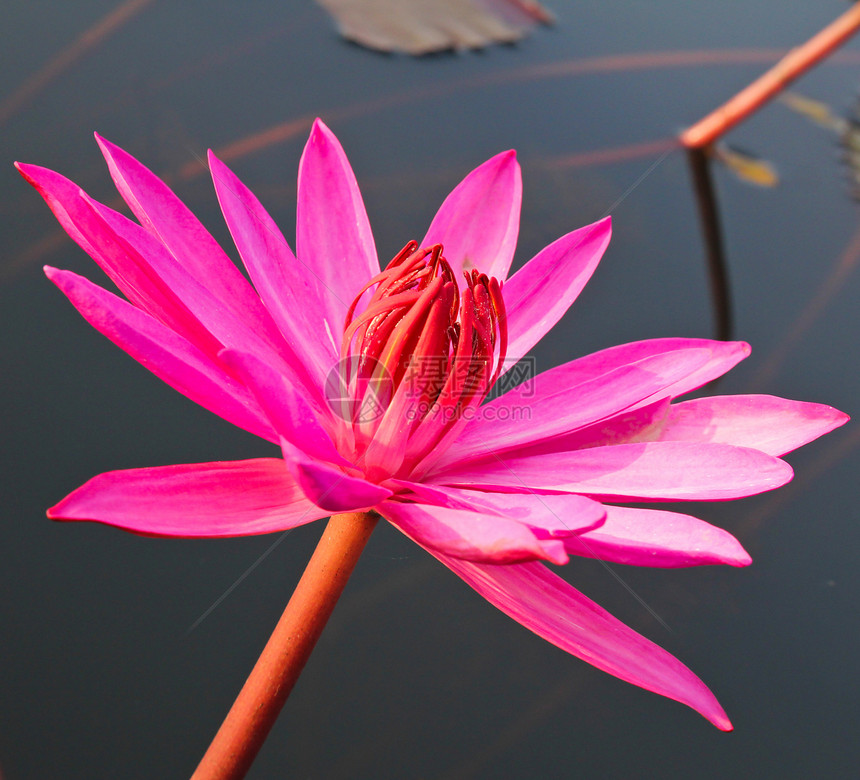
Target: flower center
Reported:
[(417, 360)]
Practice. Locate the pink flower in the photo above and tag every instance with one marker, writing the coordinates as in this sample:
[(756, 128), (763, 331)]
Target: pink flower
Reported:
[(373, 383)]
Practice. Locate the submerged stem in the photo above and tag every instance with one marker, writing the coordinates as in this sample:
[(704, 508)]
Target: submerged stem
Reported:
[(257, 706)]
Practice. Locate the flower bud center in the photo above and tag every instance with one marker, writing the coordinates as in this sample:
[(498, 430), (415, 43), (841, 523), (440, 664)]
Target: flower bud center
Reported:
[(421, 353)]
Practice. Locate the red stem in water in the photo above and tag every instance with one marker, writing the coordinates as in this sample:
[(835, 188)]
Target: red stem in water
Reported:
[(774, 81)]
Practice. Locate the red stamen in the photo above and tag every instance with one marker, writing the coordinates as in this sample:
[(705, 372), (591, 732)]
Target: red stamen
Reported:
[(419, 323)]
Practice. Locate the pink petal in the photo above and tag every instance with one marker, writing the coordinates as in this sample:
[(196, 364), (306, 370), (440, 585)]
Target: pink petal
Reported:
[(60, 194), (548, 516), (649, 537), (133, 274), (291, 291), (148, 275), (763, 422), (725, 355), (163, 352), (333, 236), (286, 408), (231, 498), (650, 470), (479, 221), (631, 425), (167, 218), (434, 495), (559, 401), (229, 326), (539, 293), (550, 607), (328, 487), (471, 536), (639, 422)]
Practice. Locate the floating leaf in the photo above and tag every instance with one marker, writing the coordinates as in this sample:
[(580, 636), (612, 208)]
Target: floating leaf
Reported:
[(747, 167), (426, 26), (846, 127), (815, 110)]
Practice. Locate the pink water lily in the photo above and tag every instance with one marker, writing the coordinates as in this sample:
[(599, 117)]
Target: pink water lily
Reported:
[(374, 383)]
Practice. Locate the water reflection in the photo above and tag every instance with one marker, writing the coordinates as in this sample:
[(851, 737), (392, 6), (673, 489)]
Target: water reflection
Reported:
[(709, 215)]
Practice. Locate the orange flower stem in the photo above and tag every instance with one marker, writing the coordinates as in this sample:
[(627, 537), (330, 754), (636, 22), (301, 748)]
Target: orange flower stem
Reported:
[(771, 83), (260, 701)]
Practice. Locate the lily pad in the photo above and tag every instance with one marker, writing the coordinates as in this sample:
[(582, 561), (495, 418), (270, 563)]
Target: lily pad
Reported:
[(426, 26)]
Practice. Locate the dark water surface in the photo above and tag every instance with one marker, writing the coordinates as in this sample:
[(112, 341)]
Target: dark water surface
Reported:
[(416, 675)]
